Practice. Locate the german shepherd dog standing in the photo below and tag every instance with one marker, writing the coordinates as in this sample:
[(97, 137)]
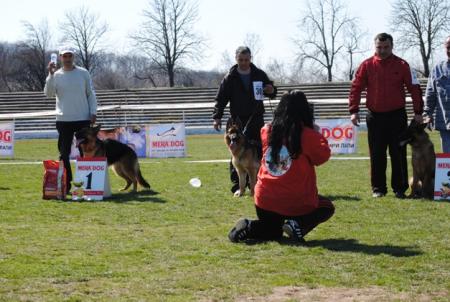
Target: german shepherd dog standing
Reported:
[(423, 159), (123, 159), (246, 156)]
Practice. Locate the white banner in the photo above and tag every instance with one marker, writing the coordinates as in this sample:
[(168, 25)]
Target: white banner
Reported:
[(442, 177), (341, 135), (7, 139), (166, 140)]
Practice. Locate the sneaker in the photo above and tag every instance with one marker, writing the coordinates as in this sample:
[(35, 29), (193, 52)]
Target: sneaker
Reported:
[(293, 230), (377, 194), (240, 230)]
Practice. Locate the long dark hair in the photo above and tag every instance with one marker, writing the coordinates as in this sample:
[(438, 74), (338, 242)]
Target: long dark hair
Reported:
[(292, 114)]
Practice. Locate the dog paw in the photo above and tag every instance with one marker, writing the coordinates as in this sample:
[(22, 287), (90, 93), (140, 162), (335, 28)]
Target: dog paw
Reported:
[(238, 193)]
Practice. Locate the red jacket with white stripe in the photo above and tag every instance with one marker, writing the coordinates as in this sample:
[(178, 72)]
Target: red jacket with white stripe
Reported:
[(385, 81), (290, 188)]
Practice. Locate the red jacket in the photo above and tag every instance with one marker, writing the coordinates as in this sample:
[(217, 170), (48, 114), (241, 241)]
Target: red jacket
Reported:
[(294, 192), (385, 81)]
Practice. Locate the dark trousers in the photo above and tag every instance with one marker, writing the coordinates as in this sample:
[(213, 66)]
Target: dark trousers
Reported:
[(384, 130), (252, 132), (66, 130), (269, 225)]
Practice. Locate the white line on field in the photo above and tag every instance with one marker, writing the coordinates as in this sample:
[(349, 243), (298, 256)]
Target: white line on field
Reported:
[(211, 161)]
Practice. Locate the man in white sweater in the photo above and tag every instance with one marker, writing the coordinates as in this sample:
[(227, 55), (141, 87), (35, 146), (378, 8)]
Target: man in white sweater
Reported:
[(76, 104)]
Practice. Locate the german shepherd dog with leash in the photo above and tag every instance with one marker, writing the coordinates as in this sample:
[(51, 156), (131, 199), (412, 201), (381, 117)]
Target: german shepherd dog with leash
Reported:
[(123, 159), (423, 159), (245, 154)]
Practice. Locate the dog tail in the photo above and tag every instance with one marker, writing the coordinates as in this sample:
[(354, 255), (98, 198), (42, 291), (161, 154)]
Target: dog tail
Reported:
[(141, 179)]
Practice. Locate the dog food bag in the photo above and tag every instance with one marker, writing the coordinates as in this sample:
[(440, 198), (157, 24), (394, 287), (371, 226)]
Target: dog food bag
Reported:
[(55, 178)]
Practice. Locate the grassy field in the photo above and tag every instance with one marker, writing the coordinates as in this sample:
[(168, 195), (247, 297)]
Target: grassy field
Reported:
[(173, 246)]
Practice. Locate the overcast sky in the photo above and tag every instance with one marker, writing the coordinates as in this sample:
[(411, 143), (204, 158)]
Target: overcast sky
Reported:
[(224, 23)]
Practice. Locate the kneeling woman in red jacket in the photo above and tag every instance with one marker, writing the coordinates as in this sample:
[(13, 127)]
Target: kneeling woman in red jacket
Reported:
[(286, 197)]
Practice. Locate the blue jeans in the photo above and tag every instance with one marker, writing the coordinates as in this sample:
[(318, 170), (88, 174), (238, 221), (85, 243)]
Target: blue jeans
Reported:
[(445, 140)]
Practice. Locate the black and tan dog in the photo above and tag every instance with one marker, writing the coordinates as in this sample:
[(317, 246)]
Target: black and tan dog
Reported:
[(246, 156), (123, 159), (423, 159)]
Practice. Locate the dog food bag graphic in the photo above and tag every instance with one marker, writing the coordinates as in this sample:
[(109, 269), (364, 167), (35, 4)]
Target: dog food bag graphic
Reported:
[(54, 183)]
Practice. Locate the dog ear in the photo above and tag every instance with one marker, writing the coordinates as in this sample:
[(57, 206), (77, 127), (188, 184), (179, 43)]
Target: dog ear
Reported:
[(229, 124), (238, 123)]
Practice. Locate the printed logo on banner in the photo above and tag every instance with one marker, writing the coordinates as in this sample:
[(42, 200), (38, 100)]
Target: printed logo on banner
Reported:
[(166, 140), (341, 135), (442, 177), (6, 139)]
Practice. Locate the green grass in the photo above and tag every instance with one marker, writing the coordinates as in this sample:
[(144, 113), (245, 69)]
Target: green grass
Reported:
[(173, 246)]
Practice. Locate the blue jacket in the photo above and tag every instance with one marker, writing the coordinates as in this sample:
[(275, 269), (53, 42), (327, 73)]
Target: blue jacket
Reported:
[(437, 96)]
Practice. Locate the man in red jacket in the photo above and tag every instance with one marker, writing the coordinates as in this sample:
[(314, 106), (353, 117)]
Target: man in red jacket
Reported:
[(384, 76)]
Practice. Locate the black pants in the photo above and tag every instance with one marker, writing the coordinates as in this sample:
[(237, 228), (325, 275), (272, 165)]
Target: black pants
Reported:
[(269, 225), (253, 133), (66, 130), (384, 130)]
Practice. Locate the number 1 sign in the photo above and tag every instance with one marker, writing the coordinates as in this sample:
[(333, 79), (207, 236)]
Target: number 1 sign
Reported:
[(92, 174)]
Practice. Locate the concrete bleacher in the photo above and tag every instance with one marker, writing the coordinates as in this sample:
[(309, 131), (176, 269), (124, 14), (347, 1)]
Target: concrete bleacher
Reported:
[(33, 111)]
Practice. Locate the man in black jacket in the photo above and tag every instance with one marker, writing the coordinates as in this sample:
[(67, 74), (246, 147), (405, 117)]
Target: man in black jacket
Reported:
[(244, 87)]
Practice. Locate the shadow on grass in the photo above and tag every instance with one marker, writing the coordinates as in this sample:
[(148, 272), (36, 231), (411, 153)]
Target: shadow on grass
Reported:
[(352, 245), (342, 198), (140, 196), (4, 189)]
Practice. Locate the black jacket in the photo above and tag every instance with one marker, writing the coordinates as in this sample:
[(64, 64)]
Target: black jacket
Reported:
[(242, 101)]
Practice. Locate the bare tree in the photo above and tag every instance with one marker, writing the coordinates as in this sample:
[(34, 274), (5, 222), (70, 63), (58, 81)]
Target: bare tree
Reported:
[(84, 30), (324, 24), (353, 45), (7, 62), (253, 41), (33, 55), (226, 61), (277, 71), (167, 35), (421, 23)]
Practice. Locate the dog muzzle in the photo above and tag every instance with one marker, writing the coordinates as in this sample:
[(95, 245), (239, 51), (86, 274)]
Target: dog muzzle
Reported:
[(79, 142)]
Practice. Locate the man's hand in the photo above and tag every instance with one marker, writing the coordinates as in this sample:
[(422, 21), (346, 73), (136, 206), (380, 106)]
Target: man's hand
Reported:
[(51, 67), (429, 121), (268, 89), (355, 119), (93, 119), (217, 124)]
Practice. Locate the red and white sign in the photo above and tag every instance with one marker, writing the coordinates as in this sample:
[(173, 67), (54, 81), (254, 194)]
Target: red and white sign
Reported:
[(341, 135), (166, 140), (93, 174), (442, 177), (7, 139)]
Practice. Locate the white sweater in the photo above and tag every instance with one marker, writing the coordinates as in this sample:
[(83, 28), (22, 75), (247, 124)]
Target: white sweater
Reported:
[(75, 96)]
